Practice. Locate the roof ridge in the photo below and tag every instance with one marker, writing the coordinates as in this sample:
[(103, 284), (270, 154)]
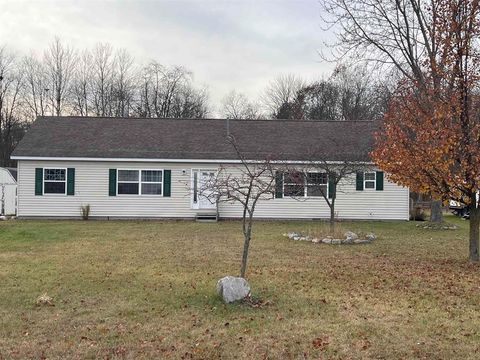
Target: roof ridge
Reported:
[(202, 119)]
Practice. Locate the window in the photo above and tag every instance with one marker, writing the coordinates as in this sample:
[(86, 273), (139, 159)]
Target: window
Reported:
[(152, 182), (370, 180), (293, 184), (135, 182), (317, 184), (128, 182), (299, 185), (54, 181)]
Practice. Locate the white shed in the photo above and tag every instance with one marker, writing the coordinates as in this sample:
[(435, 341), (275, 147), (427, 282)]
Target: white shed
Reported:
[(8, 191)]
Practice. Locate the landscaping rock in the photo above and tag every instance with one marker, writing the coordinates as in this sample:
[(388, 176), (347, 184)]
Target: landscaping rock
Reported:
[(232, 288), (361, 241), (371, 237), (350, 236), (347, 241), (316, 241), (327, 241), (336, 241)]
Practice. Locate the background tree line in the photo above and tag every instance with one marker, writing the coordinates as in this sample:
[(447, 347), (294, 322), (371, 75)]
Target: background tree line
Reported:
[(102, 81), (97, 82)]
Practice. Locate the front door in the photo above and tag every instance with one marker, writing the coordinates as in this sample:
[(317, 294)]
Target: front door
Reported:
[(201, 198)]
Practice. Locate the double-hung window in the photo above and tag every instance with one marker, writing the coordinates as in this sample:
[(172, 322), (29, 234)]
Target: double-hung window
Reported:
[(54, 181), (312, 184), (152, 182), (140, 182), (317, 184), (293, 184), (370, 179)]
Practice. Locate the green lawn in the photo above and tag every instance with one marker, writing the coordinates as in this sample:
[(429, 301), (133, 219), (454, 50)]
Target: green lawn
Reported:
[(147, 290)]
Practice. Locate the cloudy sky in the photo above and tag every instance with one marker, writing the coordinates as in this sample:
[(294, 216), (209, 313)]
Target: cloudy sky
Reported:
[(228, 44)]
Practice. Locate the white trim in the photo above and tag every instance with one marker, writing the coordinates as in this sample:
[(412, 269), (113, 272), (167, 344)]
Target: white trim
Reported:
[(215, 161), (59, 181)]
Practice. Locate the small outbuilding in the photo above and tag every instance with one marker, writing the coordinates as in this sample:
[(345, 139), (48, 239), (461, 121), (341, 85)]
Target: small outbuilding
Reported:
[(8, 191)]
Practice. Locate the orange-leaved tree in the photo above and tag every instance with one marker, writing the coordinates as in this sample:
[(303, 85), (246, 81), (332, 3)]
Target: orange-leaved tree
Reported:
[(430, 139)]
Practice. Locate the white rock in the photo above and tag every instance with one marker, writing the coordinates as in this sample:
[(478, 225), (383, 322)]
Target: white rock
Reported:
[(316, 241), (336, 241), (350, 235), (232, 288), (371, 236), (327, 241)]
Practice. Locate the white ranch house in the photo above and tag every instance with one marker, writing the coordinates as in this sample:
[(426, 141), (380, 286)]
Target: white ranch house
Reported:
[(153, 168)]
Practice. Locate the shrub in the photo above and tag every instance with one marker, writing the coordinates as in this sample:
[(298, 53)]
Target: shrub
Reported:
[(85, 211)]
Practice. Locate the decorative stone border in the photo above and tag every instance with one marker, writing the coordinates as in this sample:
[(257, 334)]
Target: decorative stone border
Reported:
[(434, 226), (350, 238)]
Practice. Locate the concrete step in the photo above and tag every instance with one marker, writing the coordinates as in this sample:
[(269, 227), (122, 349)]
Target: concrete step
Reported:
[(206, 217)]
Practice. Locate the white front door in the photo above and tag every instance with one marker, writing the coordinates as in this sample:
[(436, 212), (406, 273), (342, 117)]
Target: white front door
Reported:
[(201, 198)]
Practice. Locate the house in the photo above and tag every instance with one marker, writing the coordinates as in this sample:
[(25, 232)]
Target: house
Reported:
[(8, 191), (151, 168)]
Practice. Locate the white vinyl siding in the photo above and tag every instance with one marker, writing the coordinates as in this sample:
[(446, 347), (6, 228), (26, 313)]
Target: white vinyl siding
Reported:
[(92, 184)]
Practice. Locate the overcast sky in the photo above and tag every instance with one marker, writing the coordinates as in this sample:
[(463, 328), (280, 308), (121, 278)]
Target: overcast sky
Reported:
[(227, 44)]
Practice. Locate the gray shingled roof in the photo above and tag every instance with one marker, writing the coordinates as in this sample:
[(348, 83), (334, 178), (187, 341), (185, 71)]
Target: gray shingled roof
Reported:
[(138, 138)]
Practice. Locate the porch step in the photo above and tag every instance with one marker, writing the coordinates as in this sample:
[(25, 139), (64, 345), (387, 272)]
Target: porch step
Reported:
[(207, 217)]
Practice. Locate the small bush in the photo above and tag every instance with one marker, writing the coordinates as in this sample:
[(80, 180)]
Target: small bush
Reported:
[(85, 211), (418, 214), (44, 299)]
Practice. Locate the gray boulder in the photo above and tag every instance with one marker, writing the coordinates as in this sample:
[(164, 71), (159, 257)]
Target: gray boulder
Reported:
[(232, 288), (350, 236)]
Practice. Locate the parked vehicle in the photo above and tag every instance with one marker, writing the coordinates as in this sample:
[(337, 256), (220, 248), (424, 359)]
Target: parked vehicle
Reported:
[(460, 209)]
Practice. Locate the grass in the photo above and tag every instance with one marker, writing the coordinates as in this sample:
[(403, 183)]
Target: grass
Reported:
[(147, 290)]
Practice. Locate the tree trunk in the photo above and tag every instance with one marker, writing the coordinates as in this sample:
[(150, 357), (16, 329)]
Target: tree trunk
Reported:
[(474, 232), (332, 218), (436, 215), (246, 245)]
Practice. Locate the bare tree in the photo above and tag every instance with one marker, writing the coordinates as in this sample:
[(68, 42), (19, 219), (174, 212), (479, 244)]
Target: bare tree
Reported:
[(103, 79), (280, 95), (237, 106), (11, 84), (124, 83), (168, 92), (35, 94), (82, 85), (393, 35), (325, 174), (244, 184), (60, 63)]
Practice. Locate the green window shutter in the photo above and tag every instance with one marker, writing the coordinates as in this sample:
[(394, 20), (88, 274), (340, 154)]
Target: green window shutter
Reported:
[(167, 183), (278, 184), (112, 182), (379, 177), (71, 181), (359, 181), (39, 181), (331, 187)]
